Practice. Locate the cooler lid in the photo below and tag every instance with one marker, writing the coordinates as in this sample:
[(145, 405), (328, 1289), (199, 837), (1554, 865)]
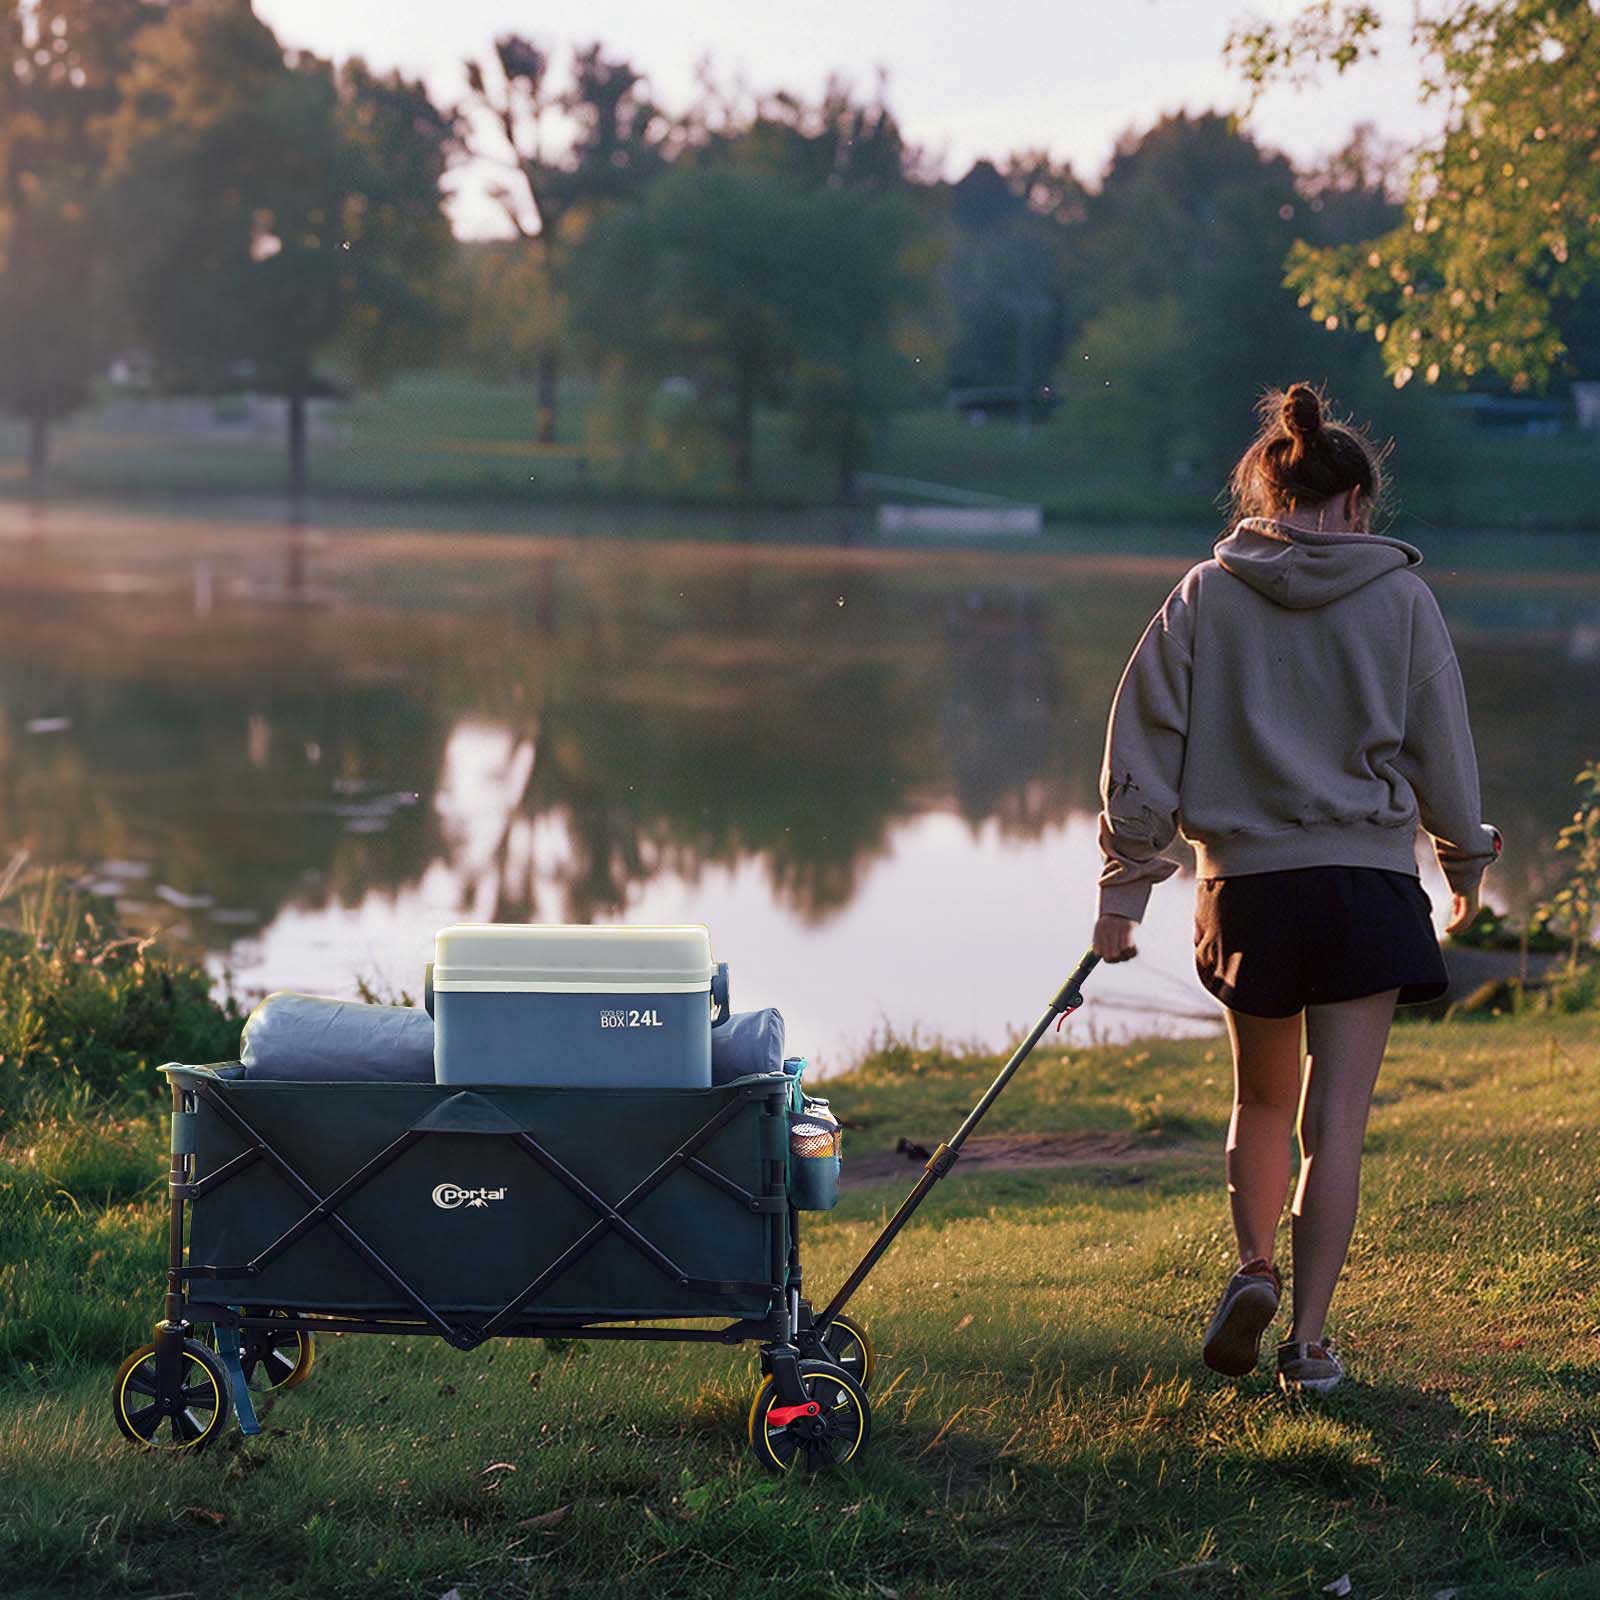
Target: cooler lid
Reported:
[(523, 953)]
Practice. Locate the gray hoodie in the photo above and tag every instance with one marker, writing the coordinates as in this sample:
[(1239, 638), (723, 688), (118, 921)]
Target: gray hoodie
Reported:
[(1295, 702)]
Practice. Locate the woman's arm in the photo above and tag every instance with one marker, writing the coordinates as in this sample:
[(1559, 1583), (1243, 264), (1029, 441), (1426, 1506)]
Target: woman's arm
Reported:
[(1437, 757), (1142, 770)]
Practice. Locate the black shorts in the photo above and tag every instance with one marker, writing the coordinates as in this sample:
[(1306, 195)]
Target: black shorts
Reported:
[(1270, 943)]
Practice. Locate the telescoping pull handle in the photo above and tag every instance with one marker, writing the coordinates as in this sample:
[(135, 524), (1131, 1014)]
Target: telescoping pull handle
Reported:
[(1068, 998)]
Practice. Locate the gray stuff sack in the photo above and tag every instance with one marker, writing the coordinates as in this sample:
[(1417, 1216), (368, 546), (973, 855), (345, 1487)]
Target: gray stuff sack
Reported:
[(749, 1041), (308, 1038)]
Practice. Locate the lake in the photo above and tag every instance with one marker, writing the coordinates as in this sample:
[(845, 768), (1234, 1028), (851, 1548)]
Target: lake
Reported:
[(870, 771)]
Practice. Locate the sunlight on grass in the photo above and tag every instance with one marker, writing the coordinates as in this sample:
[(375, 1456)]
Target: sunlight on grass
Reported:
[(1040, 1414)]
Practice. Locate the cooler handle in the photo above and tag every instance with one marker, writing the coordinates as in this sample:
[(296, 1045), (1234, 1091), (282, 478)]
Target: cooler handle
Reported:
[(719, 994)]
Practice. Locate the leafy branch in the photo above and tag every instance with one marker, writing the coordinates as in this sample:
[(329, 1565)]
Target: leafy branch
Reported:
[(1293, 53), (1502, 232)]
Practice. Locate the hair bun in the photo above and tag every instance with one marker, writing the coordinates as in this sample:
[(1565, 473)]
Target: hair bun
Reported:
[(1302, 411)]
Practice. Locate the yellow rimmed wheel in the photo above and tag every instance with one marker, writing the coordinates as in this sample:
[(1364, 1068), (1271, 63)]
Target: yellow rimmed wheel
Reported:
[(187, 1414), (277, 1358), (830, 1428), (849, 1346)]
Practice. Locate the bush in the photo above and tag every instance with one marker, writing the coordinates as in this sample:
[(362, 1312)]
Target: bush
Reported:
[(86, 1006)]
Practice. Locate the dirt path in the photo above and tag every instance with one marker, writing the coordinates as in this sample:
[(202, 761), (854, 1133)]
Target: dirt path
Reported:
[(996, 1152)]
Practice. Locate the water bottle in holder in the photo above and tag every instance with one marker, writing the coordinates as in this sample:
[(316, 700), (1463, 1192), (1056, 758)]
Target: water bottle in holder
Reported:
[(814, 1156)]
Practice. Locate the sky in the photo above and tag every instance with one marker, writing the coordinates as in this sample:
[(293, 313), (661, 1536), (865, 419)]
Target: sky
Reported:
[(964, 80)]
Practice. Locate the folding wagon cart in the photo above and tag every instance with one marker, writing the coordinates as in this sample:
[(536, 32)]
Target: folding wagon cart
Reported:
[(498, 1211)]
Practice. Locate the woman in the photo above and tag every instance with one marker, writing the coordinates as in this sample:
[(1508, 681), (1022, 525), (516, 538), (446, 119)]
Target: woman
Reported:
[(1295, 708)]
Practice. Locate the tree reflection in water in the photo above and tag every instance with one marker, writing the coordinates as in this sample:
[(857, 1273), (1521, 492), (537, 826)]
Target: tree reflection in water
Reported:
[(557, 724)]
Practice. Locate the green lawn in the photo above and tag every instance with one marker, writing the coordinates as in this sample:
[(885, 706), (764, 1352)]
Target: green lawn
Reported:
[(444, 441), (1042, 1424)]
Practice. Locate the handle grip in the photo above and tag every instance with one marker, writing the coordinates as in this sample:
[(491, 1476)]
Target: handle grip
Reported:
[(1070, 996)]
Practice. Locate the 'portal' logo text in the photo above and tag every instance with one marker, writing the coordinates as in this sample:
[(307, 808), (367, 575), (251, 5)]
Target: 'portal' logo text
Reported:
[(449, 1195)]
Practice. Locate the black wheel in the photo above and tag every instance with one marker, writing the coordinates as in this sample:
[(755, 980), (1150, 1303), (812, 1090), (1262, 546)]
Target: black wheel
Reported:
[(273, 1358), (830, 1429), (276, 1358), (189, 1417), (847, 1345)]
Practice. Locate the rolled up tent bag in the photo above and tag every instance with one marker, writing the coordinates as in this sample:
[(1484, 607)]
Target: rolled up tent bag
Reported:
[(308, 1038), (749, 1041)]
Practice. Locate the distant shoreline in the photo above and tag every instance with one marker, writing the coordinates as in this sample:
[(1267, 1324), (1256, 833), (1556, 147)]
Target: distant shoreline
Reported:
[(712, 520), (456, 451)]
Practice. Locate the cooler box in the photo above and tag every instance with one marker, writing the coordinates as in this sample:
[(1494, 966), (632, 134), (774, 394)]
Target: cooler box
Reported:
[(572, 1006)]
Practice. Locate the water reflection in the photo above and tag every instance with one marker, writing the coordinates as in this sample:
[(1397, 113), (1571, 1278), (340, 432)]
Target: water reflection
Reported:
[(872, 773)]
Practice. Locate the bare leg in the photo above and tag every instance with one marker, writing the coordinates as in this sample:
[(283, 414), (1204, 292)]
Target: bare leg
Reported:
[(1345, 1045), (1266, 1089)]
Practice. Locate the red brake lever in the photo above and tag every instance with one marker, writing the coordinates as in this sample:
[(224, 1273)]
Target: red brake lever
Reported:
[(782, 1416)]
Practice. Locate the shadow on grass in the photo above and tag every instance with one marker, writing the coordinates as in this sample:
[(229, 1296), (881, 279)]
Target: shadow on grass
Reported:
[(1159, 1172)]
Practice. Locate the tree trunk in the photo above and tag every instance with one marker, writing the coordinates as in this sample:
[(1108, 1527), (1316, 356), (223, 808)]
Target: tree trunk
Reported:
[(848, 496), (297, 456), (744, 412), (549, 376), (848, 452), (294, 562), (38, 454)]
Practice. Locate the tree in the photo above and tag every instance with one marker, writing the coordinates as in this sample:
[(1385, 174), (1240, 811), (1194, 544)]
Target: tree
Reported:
[(700, 278), (870, 258), (274, 211), (620, 145), (858, 280), (744, 282), (1356, 192), (61, 60), (1005, 275), (780, 259), (1048, 188), (1177, 269), (1502, 228), (503, 318), (838, 141)]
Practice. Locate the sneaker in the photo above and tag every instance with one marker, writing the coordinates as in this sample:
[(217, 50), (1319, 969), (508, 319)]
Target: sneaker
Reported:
[(1248, 1305), (1313, 1366)]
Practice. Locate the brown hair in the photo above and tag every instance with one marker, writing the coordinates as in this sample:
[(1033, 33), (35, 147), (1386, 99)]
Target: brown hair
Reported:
[(1300, 458)]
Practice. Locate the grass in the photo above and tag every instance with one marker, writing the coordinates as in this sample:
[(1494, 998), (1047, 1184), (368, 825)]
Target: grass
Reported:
[(439, 440), (1042, 1425)]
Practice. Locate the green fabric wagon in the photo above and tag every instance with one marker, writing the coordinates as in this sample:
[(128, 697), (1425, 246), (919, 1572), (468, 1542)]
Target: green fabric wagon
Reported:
[(488, 1207), (471, 1212)]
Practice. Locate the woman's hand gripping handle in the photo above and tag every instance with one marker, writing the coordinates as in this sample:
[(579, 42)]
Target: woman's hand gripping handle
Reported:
[(1113, 937)]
